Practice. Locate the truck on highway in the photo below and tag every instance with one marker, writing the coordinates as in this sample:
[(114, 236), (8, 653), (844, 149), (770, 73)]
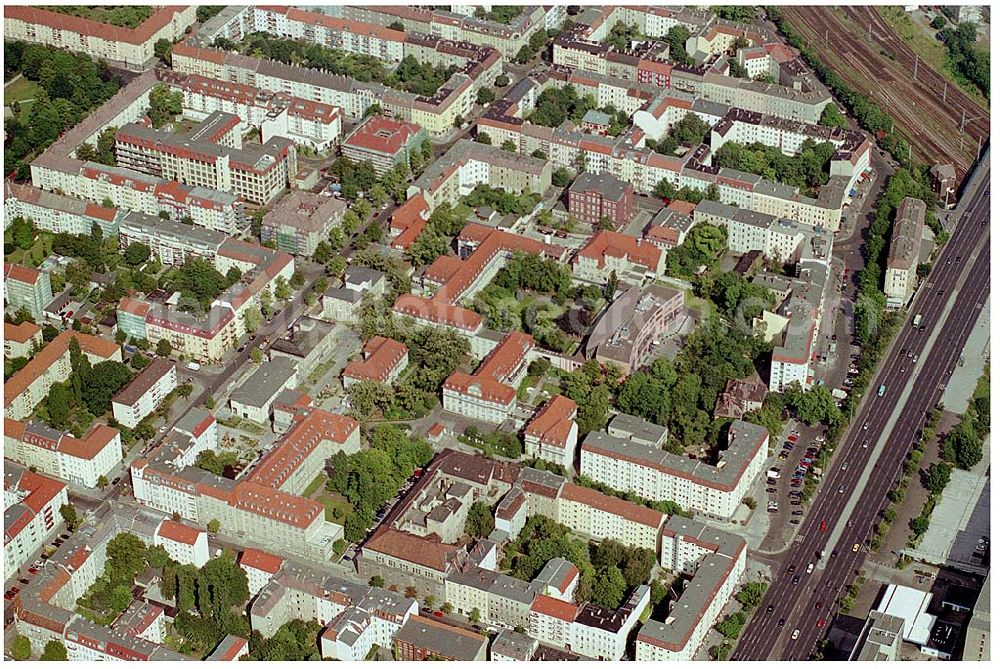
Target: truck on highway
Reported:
[(917, 320)]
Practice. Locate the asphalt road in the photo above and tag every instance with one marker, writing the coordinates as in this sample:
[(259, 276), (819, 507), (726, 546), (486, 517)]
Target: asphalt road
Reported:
[(910, 393)]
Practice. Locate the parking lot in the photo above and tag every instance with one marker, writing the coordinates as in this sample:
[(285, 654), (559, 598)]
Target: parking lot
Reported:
[(26, 573)]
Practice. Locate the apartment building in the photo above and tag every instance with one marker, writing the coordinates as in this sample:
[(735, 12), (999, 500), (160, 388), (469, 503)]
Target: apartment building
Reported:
[(21, 341), (669, 227), (596, 198), (467, 164), (632, 260), (260, 567), (780, 239), (408, 221), (383, 142), (129, 47), (31, 515), (144, 394), (253, 399), (209, 336), (276, 114), (552, 434), (904, 252), (144, 621), (762, 60), (45, 609), (263, 508), (799, 317), (427, 639), (624, 461), (629, 331), (382, 361), (300, 221), (58, 213), (185, 544), (26, 288), (310, 343), (60, 454), (716, 561), (210, 156), (171, 242), (490, 393), (587, 629), (29, 386), (602, 517)]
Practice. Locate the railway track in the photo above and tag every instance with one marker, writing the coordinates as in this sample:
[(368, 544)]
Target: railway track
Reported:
[(930, 123)]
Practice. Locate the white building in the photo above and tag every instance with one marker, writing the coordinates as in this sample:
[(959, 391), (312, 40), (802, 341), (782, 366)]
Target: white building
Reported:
[(260, 568), (255, 396), (620, 458), (143, 395), (184, 544), (587, 629), (489, 394), (60, 454), (552, 434), (31, 515)]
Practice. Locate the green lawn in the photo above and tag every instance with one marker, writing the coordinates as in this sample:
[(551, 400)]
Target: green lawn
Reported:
[(34, 256), (21, 90), (332, 500), (316, 484)]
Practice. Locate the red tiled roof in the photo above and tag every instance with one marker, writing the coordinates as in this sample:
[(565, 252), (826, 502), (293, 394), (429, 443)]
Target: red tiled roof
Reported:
[(485, 388), (12, 272), (41, 489), (381, 357), (552, 425), (607, 243), (682, 206), (555, 608), (437, 312), (20, 333), (276, 505), (381, 135), (177, 532), (503, 361), (139, 35), (312, 429), (426, 551), (612, 505), (86, 449), (258, 559)]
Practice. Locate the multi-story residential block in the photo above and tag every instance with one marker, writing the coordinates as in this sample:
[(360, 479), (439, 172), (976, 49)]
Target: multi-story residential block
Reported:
[(881, 638), (383, 142), (552, 434), (143, 395), (185, 544), (300, 221), (264, 505), (620, 460), (211, 156), (468, 164), (231, 649), (310, 343), (60, 454), (26, 288), (275, 114), (129, 47), (904, 252), (764, 60), (587, 629), (632, 260), (596, 198), (260, 567), (717, 561), (255, 396), (58, 213), (630, 330), (31, 515), (29, 386), (427, 639), (171, 242), (408, 221), (780, 239), (383, 360), (511, 646), (490, 393), (669, 227), (21, 341), (800, 311), (143, 620)]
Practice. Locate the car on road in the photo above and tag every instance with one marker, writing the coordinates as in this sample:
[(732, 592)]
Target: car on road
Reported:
[(822, 526), (795, 635), (841, 490), (810, 567), (821, 623), (770, 608), (795, 581), (798, 512), (843, 467), (867, 424), (856, 548), (241, 348), (781, 622), (791, 568), (794, 521), (864, 444), (819, 605)]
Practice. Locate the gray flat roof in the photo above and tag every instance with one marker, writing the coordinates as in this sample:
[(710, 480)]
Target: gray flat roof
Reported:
[(264, 383)]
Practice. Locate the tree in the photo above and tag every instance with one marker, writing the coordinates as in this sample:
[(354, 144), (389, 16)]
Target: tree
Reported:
[(609, 588), (102, 481), (397, 26), (252, 319), (475, 616), (214, 525), (70, 517), (376, 581), (752, 594), (938, 22), (164, 348), (429, 601), (479, 523), (20, 648), (256, 356), (23, 232), (162, 50), (136, 254), (938, 476), (832, 117), (58, 403), (502, 81), (164, 105), (484, 96), (55, 651), (561, 177), (447, 608), (282, 291)]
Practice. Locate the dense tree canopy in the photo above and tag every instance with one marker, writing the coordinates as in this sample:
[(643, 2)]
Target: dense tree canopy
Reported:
[(807, 171)]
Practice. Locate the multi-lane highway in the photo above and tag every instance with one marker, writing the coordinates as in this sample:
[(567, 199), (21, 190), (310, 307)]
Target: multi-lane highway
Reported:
[(854, 490)]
